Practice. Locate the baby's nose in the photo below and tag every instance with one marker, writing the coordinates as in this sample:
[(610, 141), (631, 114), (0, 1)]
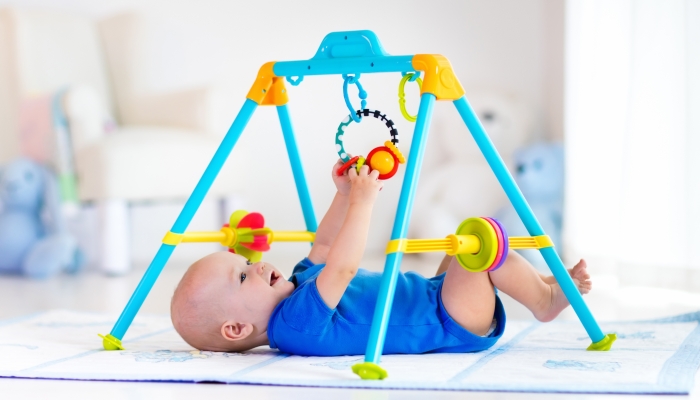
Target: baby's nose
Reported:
[(260, 266)]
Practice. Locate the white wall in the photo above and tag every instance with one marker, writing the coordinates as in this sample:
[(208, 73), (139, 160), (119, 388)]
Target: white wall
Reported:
[(632, 90), (511, 47)]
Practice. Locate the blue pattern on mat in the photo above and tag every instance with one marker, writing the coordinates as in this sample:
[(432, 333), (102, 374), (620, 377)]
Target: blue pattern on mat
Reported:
[(582, 365)]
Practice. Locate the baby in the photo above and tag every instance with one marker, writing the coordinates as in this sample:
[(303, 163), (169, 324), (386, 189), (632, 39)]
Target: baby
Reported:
[(226, 303)]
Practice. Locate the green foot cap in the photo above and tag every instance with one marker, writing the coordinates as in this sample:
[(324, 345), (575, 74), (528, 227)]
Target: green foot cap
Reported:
[(369, 370), (603, 345), (109, 342)]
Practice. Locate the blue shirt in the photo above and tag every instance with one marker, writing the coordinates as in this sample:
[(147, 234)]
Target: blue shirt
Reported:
[(303, 324)]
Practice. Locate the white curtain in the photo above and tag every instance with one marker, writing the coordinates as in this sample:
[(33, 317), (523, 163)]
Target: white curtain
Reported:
[(632, 131)]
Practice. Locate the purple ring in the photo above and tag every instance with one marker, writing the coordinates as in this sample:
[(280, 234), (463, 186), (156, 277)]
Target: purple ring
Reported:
[(499, 242), (505, 244)]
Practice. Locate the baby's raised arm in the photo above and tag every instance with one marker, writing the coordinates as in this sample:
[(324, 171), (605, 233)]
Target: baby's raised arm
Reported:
[(333, 219), (348, 247)]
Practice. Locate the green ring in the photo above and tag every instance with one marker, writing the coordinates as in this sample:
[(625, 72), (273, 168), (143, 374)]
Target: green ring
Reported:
[(340, 147), (482, 229)]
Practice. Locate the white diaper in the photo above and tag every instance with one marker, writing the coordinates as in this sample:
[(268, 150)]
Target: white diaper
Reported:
[(494, 324)]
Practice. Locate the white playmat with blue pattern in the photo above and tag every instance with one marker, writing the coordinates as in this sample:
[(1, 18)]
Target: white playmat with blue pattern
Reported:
[(659, 356)]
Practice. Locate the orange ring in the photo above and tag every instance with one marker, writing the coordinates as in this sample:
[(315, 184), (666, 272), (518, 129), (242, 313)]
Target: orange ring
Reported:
[(396, 161), (396, 151)]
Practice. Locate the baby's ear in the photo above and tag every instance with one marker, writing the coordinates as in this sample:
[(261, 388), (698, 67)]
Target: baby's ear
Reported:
[(235, 330)]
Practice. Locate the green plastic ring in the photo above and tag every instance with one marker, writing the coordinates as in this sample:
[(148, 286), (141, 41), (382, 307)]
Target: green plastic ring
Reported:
[(482, 229), (402, 96)]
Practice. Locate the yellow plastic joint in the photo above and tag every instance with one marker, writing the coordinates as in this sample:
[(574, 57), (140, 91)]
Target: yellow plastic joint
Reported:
[(173, 238), (109, 342), (268, 89), (396, 246), (603, 345), (543, 241), (369, 370), (440, 79)]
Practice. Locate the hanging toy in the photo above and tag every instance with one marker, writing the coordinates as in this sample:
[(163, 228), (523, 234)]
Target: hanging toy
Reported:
[(385, 159)]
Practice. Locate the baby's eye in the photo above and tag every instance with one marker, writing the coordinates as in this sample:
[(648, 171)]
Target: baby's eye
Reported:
[(248, 262), (242, 277)]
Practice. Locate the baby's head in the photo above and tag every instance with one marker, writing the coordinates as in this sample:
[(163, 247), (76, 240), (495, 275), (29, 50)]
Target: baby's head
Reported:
[(223, 302)]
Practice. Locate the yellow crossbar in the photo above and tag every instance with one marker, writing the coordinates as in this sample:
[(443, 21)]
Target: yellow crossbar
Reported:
[(462, 244), (452, 244), (291, 236), (203, 237), (530, 242), (229, 237)]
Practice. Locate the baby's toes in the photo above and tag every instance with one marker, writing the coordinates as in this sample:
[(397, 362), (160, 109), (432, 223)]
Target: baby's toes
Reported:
[(585, 288), (582, 275), (580, 266)]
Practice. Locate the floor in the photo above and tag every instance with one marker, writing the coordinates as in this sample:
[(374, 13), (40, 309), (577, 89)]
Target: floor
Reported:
[(92, 291)]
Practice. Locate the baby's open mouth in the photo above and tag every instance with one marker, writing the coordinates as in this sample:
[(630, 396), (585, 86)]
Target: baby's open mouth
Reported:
[(273, 278)]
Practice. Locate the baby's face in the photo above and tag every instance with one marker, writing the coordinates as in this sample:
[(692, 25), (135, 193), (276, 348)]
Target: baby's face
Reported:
[(252, 290)]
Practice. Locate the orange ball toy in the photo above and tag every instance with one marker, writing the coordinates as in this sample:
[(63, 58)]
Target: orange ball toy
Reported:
[(383, 160)]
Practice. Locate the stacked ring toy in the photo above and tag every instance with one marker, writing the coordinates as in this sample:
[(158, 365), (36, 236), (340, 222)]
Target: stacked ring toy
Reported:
[(494, 244), (385, 159)]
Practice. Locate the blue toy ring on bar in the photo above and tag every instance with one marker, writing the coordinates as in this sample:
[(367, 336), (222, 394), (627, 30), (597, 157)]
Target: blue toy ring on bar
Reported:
[(351, 78), (362, 94)]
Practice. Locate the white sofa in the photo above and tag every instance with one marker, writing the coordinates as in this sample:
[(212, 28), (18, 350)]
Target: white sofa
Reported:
[(159, 144)]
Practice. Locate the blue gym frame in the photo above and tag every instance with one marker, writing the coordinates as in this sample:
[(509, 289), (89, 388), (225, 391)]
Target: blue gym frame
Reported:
[(357, 52)]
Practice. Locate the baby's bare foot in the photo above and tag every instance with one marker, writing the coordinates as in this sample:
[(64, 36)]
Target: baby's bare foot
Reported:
[(557, 300), (579, 273)]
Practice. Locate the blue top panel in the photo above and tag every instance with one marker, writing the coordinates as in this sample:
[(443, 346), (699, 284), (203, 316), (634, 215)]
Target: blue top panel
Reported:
[(348, 52), (350, 44)]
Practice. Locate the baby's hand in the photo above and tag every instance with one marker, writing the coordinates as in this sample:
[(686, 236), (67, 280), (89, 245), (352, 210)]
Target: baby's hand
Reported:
[(365, 185), (342, 182)]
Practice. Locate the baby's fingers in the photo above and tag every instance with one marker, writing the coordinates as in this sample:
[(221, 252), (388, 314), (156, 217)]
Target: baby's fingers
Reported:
[(374, 174), (364, 170), (352, 173)]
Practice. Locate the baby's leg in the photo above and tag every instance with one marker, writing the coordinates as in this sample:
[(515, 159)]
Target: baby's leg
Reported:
[(519, 279), (468, 297)]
